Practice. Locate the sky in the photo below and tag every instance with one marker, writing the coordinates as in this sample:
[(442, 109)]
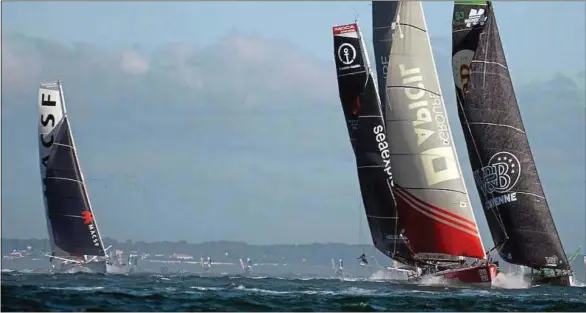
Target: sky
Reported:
[(204, 121)]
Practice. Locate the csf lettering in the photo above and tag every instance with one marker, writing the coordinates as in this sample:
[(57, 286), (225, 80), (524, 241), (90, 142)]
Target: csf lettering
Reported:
[(45, 120)]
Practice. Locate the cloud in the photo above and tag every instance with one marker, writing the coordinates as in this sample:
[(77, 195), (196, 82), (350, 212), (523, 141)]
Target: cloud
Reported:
[(213, 126), (134, 63), (183, 135)]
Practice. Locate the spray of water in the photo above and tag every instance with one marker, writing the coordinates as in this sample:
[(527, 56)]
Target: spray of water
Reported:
[(510, 281)]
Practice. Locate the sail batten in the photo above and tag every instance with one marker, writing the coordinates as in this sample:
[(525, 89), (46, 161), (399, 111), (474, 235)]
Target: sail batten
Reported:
[(367, 132), (504, 170), (432, 200)]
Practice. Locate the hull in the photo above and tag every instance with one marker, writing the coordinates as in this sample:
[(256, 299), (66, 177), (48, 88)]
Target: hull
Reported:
[(561, 279), (90, 268), (479, 275), (118, 269), (398, 273)]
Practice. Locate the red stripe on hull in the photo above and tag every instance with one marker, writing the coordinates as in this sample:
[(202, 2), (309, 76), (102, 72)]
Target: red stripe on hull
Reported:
[(479, 274), (428, 235)]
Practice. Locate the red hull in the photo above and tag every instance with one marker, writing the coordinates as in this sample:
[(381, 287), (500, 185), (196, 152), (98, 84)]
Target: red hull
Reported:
[(483, 274)]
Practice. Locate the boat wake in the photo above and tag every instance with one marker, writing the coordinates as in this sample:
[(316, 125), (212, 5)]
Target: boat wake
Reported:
[(510, 281), (385, 274)]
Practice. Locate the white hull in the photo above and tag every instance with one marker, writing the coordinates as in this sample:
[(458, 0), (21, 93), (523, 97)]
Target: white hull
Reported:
[(118, 269), (72, 268), (398, 273)]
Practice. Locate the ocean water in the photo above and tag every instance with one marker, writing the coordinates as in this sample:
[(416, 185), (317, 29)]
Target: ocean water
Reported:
[(175, 292)]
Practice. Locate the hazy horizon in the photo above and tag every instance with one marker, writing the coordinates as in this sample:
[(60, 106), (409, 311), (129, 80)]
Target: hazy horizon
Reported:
[(204, 121)]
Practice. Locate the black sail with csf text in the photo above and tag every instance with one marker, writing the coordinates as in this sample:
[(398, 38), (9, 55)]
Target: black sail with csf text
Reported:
[(66, 198)]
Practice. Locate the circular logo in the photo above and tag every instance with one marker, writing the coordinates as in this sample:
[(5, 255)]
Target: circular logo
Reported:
[(461, 68), (507, 171), (346, 53)]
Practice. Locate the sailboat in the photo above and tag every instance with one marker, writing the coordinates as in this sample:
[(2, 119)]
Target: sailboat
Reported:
[(206, 264), (366, 128), (432, 200), (116, 264), (246, 266), (76, 244), (519, 218), (338, 269)]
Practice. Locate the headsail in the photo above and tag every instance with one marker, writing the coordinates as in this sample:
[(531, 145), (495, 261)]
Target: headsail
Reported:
[(383, 15), (366, 128), (71, 223), (504, 170), (432, 199)]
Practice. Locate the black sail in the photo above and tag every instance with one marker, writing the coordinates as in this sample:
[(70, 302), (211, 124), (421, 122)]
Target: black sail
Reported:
[(366, 128), (72, 227), (506, 177)]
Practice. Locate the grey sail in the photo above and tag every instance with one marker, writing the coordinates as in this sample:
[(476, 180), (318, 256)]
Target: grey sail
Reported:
[(508, 184), (72, 227), (432, 200), (383, 15)]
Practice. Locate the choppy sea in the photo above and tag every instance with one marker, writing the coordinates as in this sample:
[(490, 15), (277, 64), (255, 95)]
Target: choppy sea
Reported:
[(181, 292)]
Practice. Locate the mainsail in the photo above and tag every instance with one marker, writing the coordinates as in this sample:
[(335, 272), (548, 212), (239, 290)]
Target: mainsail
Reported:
[(366, 128), (70, 220), (383, 14), (432, 199), (514, 203)]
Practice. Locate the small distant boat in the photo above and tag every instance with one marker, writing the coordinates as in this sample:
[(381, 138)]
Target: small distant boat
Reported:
[(117, 265), (206, 264), (76, 244), (516, 209), (338, 269), (246, 266)]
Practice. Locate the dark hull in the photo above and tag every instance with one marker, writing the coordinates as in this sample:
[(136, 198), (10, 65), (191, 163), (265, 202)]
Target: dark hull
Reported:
[(564, 280)]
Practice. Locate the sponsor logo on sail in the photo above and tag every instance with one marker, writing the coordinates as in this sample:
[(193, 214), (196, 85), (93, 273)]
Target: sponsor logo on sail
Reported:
[(87, 216), (47, 140), (385, 153), (500, 176), (347, 55), (439, 163), (552, 260), (88, 219), (349, 28), (475, 17)]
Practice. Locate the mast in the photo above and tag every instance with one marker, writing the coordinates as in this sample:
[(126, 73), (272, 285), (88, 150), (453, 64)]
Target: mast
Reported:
[(506, 177), (383, 15), (366, 128), (432, 199)]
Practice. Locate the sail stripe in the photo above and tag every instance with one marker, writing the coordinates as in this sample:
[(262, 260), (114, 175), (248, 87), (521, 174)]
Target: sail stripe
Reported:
[(434, 217), (431, 213), (446, 214)]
